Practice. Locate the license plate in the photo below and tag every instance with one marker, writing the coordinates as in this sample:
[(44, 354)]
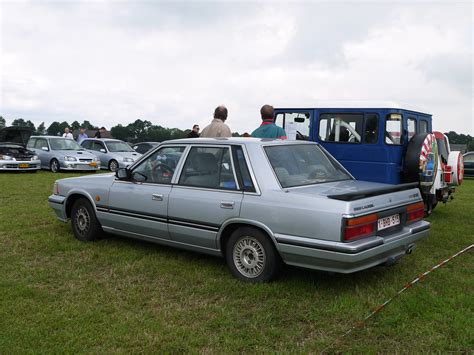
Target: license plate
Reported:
[(23, 166), (388, 222), (94, 164)]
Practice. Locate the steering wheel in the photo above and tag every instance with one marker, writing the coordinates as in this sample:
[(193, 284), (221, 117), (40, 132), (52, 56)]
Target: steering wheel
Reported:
[(300, 136), (317, 174), (160, 170)]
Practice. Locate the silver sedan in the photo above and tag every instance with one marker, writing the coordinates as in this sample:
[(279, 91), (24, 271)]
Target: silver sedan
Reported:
[(259, 203)]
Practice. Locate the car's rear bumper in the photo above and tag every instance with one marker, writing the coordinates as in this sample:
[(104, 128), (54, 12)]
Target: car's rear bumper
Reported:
[(13, 165), (353, 256), (56, 202)]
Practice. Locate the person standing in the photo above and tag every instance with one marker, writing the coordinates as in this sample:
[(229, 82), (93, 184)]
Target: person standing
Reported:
[(217, 128), (82, 135), (268, 129), (67, 134), (195, 132), (99, 133)]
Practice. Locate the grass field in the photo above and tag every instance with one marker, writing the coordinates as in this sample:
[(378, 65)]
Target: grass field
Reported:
[(118, 295)]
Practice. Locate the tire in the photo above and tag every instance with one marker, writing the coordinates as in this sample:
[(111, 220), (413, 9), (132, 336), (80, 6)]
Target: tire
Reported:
[(113, 165), (421, 160), (84, 223), (54, 166), (251, 256)]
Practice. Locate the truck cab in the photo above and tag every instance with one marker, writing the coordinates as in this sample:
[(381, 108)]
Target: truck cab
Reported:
[(386, 144)]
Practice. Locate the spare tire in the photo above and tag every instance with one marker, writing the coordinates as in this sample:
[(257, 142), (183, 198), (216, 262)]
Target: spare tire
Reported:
[(421, 160), (456, 161)]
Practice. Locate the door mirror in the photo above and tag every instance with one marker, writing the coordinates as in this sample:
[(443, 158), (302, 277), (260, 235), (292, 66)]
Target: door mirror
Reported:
[(122, 174), (102, 150), (46, 149)]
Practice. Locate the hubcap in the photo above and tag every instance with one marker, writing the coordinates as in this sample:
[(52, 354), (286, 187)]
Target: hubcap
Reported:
[(249, 257), (82, 220), (54, 166), (113, 166)]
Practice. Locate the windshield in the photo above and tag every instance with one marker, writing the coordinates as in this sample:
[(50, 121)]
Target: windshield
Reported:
[(64, 144), (304, 164), (119, 147)]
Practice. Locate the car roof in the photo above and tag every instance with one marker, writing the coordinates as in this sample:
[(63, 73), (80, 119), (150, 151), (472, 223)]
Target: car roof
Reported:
[(103, 139), (236, 140), (49, 137)]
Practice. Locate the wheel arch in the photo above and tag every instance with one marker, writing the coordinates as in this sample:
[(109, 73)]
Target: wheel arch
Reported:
[(230, 226), (73, 197)]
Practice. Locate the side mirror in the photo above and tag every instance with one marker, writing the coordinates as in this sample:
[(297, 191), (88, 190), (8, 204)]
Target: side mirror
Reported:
[(46, 149), (122, 174), (102, 150)]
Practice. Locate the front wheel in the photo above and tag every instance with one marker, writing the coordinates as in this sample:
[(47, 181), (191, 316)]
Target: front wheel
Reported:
[(85, 226), (113, 165), (54, 166), (251, 256)]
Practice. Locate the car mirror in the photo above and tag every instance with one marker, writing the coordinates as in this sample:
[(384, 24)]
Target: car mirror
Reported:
[(122, 174), (45, 149), (102, 150)]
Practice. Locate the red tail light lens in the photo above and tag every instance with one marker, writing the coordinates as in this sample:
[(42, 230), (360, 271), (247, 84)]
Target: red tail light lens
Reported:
[(415, 212), (360, 227)]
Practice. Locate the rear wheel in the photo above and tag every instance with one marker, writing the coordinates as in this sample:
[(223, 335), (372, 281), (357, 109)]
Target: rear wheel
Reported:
[(54, 166), (113, 165), (85, 226), (251, 256)]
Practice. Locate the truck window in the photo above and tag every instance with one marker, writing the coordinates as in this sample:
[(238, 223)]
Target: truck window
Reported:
[(371, 128), (295, 124), (342, 128), (423, 126), (411, 124), (393, 129)]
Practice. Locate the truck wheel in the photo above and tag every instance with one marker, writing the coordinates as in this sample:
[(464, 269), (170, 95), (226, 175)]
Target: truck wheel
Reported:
[(251, 256), (421, 160)]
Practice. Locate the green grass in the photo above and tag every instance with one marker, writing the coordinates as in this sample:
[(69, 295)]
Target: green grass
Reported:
[(118, 295)]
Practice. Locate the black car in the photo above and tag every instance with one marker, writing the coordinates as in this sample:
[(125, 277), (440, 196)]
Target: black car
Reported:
[(469, 164), (144, 147), (14, 156)]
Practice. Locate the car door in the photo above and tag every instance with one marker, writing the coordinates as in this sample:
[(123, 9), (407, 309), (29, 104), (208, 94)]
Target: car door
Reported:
[(205, 196), (42, 149), (139, 205)]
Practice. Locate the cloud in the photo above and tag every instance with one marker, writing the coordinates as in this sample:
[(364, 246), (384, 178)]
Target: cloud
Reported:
[(173, 63)]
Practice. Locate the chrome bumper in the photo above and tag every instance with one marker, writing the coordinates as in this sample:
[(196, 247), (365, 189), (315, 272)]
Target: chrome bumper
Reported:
[(349, 257)]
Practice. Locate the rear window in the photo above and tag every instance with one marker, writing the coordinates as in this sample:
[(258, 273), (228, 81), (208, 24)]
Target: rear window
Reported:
[(393, 129), (304, 164)]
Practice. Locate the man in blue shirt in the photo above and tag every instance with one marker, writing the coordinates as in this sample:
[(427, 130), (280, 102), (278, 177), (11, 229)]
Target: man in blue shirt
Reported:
[(268, 129), (82, 135)]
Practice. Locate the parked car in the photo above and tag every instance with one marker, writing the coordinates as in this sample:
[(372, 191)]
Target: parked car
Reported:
[(381, 143), (57, 153), (469, 164), (14, 156), (144, 147), (256, 202), (112, 153)]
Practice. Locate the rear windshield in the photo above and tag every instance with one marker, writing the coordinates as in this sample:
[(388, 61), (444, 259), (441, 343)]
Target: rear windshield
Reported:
[(304, 164), (119, 147), (64, 144)]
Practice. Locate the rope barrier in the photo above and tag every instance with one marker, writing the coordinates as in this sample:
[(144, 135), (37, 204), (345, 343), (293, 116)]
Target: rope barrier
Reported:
[(406, 287)]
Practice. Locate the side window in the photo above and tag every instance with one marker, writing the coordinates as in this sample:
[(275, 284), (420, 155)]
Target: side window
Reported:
[(96, 146), (40, 143), (245, 179), (342, 128), (295, 124), (411, 125), (371, 128), (160, 166), (393, 129), (209, 167), (31, 143), (86, 144), (423, 126)]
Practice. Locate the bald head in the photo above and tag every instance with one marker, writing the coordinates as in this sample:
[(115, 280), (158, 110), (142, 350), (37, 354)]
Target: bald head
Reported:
[(267, 112), (221, 113)]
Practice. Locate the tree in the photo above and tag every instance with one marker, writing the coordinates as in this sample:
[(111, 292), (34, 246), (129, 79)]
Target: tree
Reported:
[(41, 129), (54, 129), (20, 122), (88, 125), (75, 126), (2, 122), (120, 132)]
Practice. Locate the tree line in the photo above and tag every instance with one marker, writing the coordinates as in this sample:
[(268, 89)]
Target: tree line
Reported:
[(143, 130)]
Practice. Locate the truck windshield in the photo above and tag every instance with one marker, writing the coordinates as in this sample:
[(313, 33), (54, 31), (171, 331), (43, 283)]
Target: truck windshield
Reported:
[(304, 164)]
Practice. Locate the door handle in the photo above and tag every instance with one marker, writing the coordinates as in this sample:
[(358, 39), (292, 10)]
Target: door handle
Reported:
[(157, 197), (228, 205)]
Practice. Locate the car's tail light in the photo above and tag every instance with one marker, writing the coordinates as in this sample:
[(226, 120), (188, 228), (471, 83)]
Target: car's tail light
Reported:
[(415, 212), (359, 227)]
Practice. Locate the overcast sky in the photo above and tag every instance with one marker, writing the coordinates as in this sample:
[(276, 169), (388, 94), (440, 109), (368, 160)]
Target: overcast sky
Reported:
[(172, 63)]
